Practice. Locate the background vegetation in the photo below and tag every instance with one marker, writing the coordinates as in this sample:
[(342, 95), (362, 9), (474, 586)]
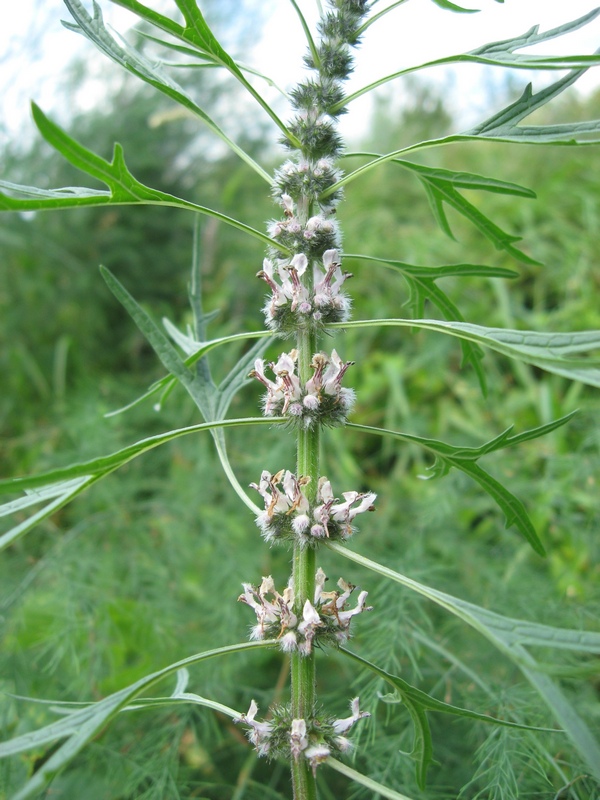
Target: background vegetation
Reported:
[(144, 569)]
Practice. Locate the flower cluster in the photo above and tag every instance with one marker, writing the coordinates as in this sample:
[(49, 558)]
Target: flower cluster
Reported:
[(313, 237), (325, 621), (288, 515), (315, 739), (322, 400), (292, 305), (309, 179)]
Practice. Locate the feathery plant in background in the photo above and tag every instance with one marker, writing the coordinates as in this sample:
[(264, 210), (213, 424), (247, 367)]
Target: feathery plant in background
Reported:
[(306, 273)]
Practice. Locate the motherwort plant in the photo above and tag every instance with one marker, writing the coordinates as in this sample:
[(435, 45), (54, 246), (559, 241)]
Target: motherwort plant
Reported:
[(306, 391)]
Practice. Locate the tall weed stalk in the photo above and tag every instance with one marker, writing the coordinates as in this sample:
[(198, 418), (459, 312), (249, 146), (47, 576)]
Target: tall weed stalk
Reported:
[(306, 392)]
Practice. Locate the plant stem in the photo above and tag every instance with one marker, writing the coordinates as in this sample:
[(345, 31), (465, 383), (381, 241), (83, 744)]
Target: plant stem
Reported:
[(304, 560)]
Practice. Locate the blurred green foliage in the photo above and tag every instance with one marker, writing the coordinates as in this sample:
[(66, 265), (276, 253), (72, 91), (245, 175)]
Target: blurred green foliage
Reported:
[(146, 567)]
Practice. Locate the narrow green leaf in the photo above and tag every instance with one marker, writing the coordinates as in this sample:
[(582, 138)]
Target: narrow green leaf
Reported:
[(552, 352), (472, 354), (464, 180), (158, 20), (421, 285), (446, 193), (35, 496), (509, 636), (160, 344), (440, 187), (124, 188), (82, 726), (72, 488), (448, 6), (502, 54), (447, 271), (514, 510), (212, 402), (311, 42), (378, 789), (106, 464), (426, 701), (505, 48), (503, 125), (503, 632), (179, 696), (464, 459), (133, 61), (422, 743), (198, 34), (437, 209), (91, 471), (166, 383), (205, 60), (464, 453), (378, 16)]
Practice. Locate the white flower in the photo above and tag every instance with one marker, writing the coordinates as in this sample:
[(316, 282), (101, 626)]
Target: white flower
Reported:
[(310, 619), (318, 532), (298, 739), (327, 616), (345, 616), (311, 401), (275, 501), (301, 523), (288, 205), (286, 506), (316, 754), (289, 642), (343, 725), (328, 284), (320, 579), (259, 732), (334, 373)]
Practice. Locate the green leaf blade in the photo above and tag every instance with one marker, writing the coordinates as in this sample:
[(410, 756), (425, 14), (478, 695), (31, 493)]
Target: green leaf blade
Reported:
[(133, 61), (552, 352), (507, 634), (448, 6), (82, 726)]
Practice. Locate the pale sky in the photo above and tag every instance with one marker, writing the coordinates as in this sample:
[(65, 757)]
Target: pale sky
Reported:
[(414, 32)]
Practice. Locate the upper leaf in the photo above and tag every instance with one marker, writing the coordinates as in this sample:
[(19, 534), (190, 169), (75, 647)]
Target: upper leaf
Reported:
[(196, 32), (441, 187), (135, 62), (503, 126), (503, 54), (448, 6), (421, 283), (124, 188)]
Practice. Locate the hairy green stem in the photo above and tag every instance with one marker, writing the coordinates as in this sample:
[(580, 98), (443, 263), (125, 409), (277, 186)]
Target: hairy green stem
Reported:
[(303, 689)]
